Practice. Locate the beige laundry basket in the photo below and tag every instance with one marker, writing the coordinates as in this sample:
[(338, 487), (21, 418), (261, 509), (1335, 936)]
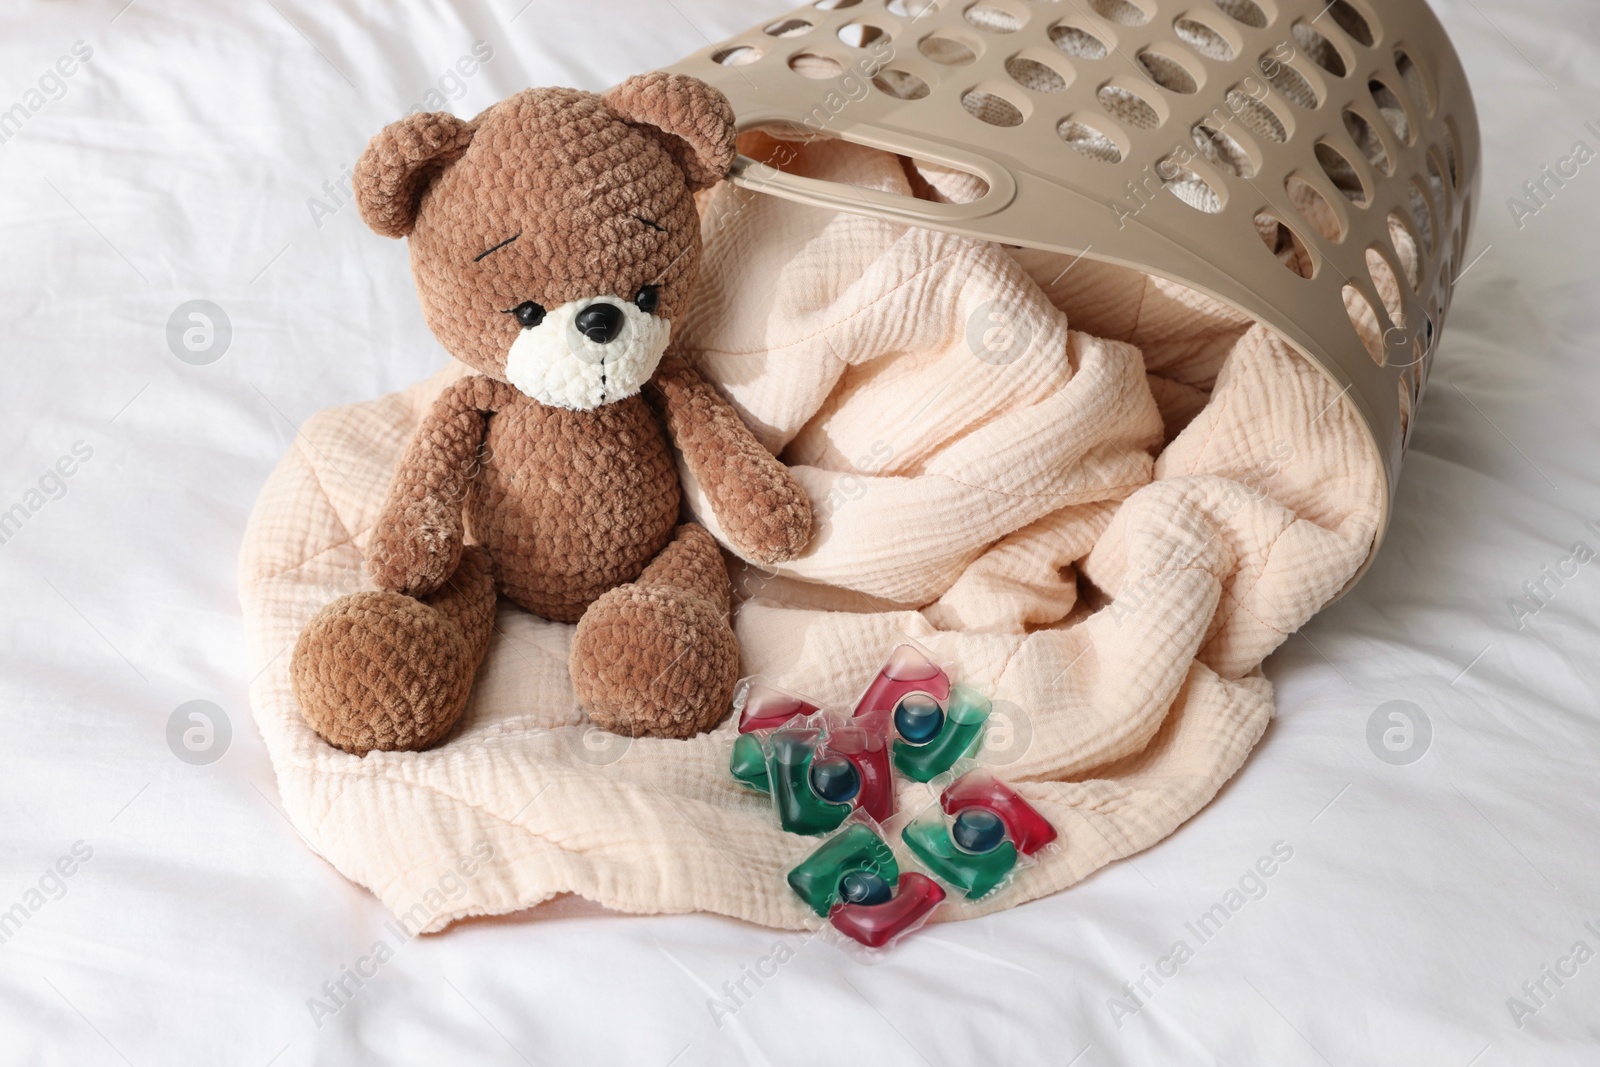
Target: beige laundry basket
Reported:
[(1313, 164)]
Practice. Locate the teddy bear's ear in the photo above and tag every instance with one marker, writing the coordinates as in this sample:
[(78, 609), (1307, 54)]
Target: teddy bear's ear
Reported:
[(395, 170), (694, 122)]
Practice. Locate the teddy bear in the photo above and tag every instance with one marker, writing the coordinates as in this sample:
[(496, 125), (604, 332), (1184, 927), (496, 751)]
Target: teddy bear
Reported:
[(554, 239)]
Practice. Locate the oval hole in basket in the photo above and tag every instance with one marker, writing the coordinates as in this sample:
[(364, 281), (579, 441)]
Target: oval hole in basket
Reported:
[(1203, 38), (1288, 81), (1077, 42), (818, 68), (1416, 82), (1314, 208), (1406, 249), (1244, 12), (1257, 117), (1168, 73), (1220, 149), (1365, 322), (1422, 213), (1452, 152), (1342, 173), (911, 9), (1392, 110), (1122, 12), (1285, 245), (1318, 47), (1129, 106), (1387, 285), (992, 108), (901, 84), (1366, 138), (1088, 141), (861, 34), (1405, 410), (737, 56), (992, 19), (1032, 74), (947, 49), (835, 5), (1189, 187), (790, 27), (1352, 22), (1441, 191), (1408, 355)]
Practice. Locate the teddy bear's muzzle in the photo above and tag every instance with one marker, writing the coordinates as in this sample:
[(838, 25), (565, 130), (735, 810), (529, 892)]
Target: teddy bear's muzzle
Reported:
[(588, 352)]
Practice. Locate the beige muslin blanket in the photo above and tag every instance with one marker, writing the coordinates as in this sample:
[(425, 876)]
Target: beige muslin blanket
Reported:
[(1100, 498)]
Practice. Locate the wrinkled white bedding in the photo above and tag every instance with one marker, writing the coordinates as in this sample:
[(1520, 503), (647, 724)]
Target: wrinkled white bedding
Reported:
[(154, 910)]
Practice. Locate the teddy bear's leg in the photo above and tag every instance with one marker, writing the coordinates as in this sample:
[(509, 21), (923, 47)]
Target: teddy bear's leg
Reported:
[(389, 671), (656, 657)]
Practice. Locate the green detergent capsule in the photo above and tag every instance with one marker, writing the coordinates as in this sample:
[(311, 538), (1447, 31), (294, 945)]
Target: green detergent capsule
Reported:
[(800, 811), (974, 873), (818, 878), (749, 763), (962, 733)]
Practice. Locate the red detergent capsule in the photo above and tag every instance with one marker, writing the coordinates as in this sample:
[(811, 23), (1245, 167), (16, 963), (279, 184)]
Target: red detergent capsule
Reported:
[(1028, 830), (907, 671), (766, 708), (864, 742), (875, 925)]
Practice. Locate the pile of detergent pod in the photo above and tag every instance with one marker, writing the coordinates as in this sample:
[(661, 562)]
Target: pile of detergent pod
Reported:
[(834, 775)]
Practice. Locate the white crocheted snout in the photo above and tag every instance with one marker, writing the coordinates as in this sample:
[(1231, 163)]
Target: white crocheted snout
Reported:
[(556, 364)]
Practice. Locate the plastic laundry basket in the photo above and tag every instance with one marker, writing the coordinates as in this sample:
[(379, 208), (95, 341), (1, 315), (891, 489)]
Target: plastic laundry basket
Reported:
[(1313, 164)]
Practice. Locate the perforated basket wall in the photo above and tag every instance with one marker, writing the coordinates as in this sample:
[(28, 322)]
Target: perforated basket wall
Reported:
[(1313, 164)]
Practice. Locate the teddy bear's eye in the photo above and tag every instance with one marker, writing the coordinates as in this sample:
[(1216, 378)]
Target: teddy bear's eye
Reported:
[(528, 313), (648, 298)]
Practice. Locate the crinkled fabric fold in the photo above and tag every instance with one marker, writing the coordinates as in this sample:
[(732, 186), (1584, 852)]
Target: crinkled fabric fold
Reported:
[(1102, 498)]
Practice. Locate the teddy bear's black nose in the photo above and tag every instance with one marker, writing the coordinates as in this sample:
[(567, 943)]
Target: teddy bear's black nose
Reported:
[(600, 323)]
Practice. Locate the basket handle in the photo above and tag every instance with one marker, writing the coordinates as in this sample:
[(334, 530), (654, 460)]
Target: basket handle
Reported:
[(748, 173)]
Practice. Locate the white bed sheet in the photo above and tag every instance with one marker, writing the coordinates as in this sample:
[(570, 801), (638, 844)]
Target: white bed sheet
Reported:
[(177, 164)]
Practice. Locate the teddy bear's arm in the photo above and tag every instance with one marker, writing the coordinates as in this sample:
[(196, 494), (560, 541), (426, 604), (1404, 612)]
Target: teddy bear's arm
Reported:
[(762, 509), (417, 542)]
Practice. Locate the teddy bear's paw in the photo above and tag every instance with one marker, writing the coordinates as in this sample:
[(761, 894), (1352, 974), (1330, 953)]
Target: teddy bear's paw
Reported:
[(415, 550), (655, 661), (779, 525), (381, 670)]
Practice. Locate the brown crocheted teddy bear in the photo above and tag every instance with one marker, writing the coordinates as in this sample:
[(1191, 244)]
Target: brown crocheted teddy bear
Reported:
[(554, 239)]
